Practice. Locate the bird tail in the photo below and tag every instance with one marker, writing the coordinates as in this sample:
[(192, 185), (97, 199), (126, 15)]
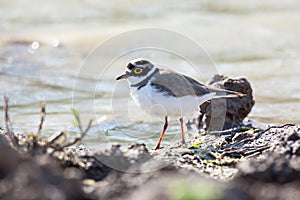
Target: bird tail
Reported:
[(216, 93), (223, 93)]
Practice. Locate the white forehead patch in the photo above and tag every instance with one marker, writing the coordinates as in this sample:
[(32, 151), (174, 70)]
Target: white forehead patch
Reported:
[(140, 62), (136, 60)]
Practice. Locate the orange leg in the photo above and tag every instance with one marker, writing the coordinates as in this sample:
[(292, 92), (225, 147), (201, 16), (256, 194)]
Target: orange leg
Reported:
[(162, 133), (182, 130)]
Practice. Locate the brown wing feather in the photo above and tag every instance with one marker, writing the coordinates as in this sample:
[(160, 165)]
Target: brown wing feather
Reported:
[(176, 84)]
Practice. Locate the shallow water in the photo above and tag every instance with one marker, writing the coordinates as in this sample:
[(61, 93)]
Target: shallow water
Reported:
[(43, 50)]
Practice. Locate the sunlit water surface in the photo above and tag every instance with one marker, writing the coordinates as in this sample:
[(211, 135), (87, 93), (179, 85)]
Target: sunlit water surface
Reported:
[(43, 49)]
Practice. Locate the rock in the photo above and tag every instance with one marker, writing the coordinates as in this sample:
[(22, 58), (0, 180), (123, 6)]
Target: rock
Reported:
[(8, 158), (293, 136), (226, 113), (274, 169), (275, 175), (40, 177), (94, 169)]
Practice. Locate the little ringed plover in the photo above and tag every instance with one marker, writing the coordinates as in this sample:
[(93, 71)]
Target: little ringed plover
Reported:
[(166, 93)]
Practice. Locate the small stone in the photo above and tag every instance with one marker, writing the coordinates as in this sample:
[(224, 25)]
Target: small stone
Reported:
[(88, 182), (293, 136)]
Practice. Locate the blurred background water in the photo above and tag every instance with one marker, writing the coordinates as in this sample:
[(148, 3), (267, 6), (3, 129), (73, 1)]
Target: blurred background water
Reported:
[(44, 43)]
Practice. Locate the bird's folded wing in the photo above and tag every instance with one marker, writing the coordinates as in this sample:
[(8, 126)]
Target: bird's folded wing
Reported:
[(177, 85)]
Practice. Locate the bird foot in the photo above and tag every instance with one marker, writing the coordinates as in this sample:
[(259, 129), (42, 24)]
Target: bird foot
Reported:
[(157, 148)]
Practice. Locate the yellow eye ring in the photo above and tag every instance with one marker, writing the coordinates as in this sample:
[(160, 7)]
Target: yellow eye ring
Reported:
[(138, 70)]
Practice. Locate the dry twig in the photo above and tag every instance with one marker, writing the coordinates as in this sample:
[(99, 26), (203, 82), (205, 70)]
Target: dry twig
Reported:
[(77, 139), (51, 141), (43, 113), (9, 132), (82, 134)]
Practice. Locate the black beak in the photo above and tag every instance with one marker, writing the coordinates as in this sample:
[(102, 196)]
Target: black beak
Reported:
[(123, 76)]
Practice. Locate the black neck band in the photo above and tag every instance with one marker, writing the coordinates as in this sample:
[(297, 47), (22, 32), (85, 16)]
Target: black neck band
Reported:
[(145, 81)]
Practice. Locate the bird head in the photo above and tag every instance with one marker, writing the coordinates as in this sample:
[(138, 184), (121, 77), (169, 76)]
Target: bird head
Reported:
[(137, 70)]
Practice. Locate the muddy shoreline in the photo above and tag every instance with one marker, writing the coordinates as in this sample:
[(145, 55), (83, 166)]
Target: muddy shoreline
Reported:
[(250, 164)]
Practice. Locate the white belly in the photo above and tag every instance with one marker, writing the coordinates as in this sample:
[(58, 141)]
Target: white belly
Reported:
[(159, 104)]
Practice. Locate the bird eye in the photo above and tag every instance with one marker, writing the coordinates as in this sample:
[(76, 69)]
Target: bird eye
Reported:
[(138, 70)]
